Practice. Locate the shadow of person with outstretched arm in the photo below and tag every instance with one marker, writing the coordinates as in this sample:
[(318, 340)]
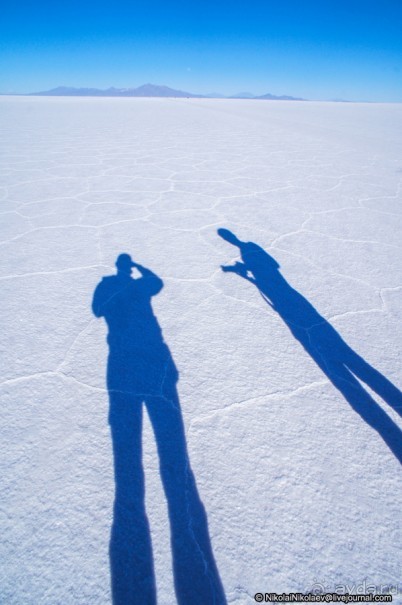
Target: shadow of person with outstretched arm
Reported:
[(322, 342), (141, 371)]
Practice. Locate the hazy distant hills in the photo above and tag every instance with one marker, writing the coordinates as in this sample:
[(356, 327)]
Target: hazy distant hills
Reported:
[(270, 97), (146, 90), (149, 90)]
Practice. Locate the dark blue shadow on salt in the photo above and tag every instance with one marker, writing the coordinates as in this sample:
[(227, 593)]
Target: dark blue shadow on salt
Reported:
[(322, 342), (141, 371)]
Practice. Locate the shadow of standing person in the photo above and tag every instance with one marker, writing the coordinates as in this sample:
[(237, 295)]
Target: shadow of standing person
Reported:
[(141, 371), (322, 342)]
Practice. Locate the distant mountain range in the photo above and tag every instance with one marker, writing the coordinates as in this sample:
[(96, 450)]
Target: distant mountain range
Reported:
[(151, 90)]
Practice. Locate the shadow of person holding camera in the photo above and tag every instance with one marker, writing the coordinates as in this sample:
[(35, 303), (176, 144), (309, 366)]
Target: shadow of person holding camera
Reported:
[(141, 371), (337, 360)]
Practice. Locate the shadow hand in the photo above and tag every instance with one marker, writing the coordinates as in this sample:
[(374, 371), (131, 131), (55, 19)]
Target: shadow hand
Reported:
[(238, 268)]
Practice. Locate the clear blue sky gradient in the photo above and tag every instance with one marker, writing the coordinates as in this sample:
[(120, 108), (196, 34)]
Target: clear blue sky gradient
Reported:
[(317, 49)]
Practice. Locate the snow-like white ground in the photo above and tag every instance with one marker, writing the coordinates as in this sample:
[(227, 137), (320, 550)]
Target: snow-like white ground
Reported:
[(300, 492)]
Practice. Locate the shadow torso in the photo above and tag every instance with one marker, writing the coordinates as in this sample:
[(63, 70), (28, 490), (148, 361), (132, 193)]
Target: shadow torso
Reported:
[(138, 355)]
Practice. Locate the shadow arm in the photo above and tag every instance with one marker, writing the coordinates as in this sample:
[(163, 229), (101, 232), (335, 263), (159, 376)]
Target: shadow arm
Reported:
[(98, 300), (151, 282), (265, 298), (241, 270)]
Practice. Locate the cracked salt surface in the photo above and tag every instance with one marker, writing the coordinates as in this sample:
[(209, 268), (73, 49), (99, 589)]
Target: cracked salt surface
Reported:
[(298, 489)]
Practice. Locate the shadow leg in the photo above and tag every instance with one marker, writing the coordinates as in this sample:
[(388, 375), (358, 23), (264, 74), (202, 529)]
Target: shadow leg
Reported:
[(195, 573), (131, 560), (328, 348), (367, 408), (375, 380)]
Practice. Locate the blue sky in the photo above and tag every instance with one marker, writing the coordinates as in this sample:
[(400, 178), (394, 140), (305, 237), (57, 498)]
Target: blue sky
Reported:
[(323, 49)]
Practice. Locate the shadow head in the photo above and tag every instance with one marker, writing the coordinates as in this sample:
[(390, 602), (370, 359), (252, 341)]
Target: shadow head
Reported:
[(229, 236), (124, 263)]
